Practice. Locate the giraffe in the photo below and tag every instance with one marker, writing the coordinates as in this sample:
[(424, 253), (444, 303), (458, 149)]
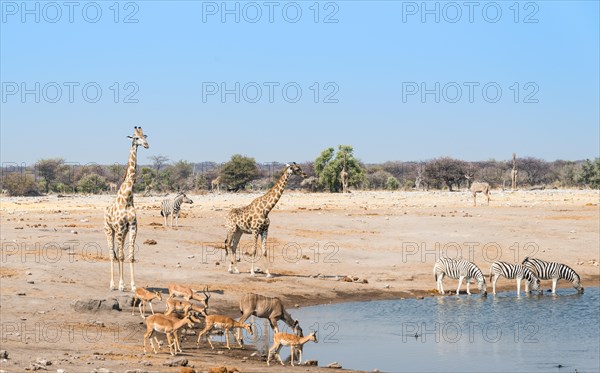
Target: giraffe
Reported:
[(120, 217), (216, 184), (112, 187), (254, 219), (344, 177), (513, 173)]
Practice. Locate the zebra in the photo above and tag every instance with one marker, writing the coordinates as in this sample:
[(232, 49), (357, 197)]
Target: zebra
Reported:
[(512, 271), (553, 271), (458, 269), (172, 207)]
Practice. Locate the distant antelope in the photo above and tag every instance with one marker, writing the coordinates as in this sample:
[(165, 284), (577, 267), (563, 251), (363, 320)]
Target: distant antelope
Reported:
[(145, 296), (514, 271), (479, 187), (458, 269), (172, 207), (553, 271), (166, 325), (295, 342), (176, 290), (267, 308), (184, 306), (225, 323)]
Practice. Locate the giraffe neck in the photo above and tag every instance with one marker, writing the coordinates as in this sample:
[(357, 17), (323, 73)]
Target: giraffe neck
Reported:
[(126, 190), (273, 195)]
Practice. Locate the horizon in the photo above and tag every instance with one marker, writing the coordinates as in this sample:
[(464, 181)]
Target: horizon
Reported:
[(392, 79)]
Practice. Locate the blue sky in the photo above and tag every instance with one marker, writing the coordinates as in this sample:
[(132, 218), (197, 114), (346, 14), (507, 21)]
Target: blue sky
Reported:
[(368, 63)]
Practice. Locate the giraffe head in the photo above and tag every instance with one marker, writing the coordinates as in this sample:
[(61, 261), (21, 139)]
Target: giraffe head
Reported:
[(139, 138), (294, 169)]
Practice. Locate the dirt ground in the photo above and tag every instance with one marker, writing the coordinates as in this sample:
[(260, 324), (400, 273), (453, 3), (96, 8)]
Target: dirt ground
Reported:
[(54, 252)]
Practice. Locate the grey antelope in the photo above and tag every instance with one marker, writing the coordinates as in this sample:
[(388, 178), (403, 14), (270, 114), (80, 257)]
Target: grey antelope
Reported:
[(295, 342), (166, 325), (225, 323), (172, 207), (458, 269), (145, 296), (553, 271), (479, 187), (177, 290), (514, 271), (267, 308)]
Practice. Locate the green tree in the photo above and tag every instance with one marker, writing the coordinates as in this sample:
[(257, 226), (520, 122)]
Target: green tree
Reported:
[(328, 168), (18, 184), (49, 170), (180, 175), (238, 172), (91, 183), (446, 171), (590, 173)]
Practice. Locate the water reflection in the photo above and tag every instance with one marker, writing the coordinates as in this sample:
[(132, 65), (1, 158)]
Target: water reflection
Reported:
[(502, 333)]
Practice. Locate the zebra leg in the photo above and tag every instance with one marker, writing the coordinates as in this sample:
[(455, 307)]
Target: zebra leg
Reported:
[(527, 287), (494, 280), (554, 283), (460, 280), (468, 286), (518, 286), (440, 283)]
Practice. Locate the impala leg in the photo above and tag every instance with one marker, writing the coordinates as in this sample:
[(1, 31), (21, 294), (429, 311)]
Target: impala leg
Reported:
[(292, 351), (270, 353), (279, 356), (151, 309), (141, 312), (227, 338)]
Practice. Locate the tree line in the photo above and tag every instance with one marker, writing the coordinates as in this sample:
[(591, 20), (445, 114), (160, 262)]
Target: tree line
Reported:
[(240, 173)]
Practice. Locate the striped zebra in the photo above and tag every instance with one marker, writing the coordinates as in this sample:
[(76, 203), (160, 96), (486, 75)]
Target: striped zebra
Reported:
[(553, 271), (458, 269), (514, 271), (173, 207)]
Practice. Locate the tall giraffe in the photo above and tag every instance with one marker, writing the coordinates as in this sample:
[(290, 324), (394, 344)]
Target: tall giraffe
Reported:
[(513, 173), (120, 217), (344, 176), (254, 219)]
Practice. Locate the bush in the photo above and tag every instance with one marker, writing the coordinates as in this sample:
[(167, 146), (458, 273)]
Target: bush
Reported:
[(378, 179), (20, 185), (392, 183), (92, 183)]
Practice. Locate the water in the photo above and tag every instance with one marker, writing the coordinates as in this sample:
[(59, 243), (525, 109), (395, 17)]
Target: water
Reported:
[(502, 333)]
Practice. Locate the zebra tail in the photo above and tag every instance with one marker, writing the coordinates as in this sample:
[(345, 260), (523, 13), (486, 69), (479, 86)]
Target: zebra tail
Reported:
[(161, 214)]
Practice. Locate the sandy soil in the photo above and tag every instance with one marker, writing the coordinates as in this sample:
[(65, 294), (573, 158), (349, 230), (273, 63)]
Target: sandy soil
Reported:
[(54, 252)]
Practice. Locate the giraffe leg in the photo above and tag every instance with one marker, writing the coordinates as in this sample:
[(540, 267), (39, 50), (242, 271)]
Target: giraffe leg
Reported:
[(132, 237), (254, 254), (121, 256), (110, 239), (233, 239), (265, 251)]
